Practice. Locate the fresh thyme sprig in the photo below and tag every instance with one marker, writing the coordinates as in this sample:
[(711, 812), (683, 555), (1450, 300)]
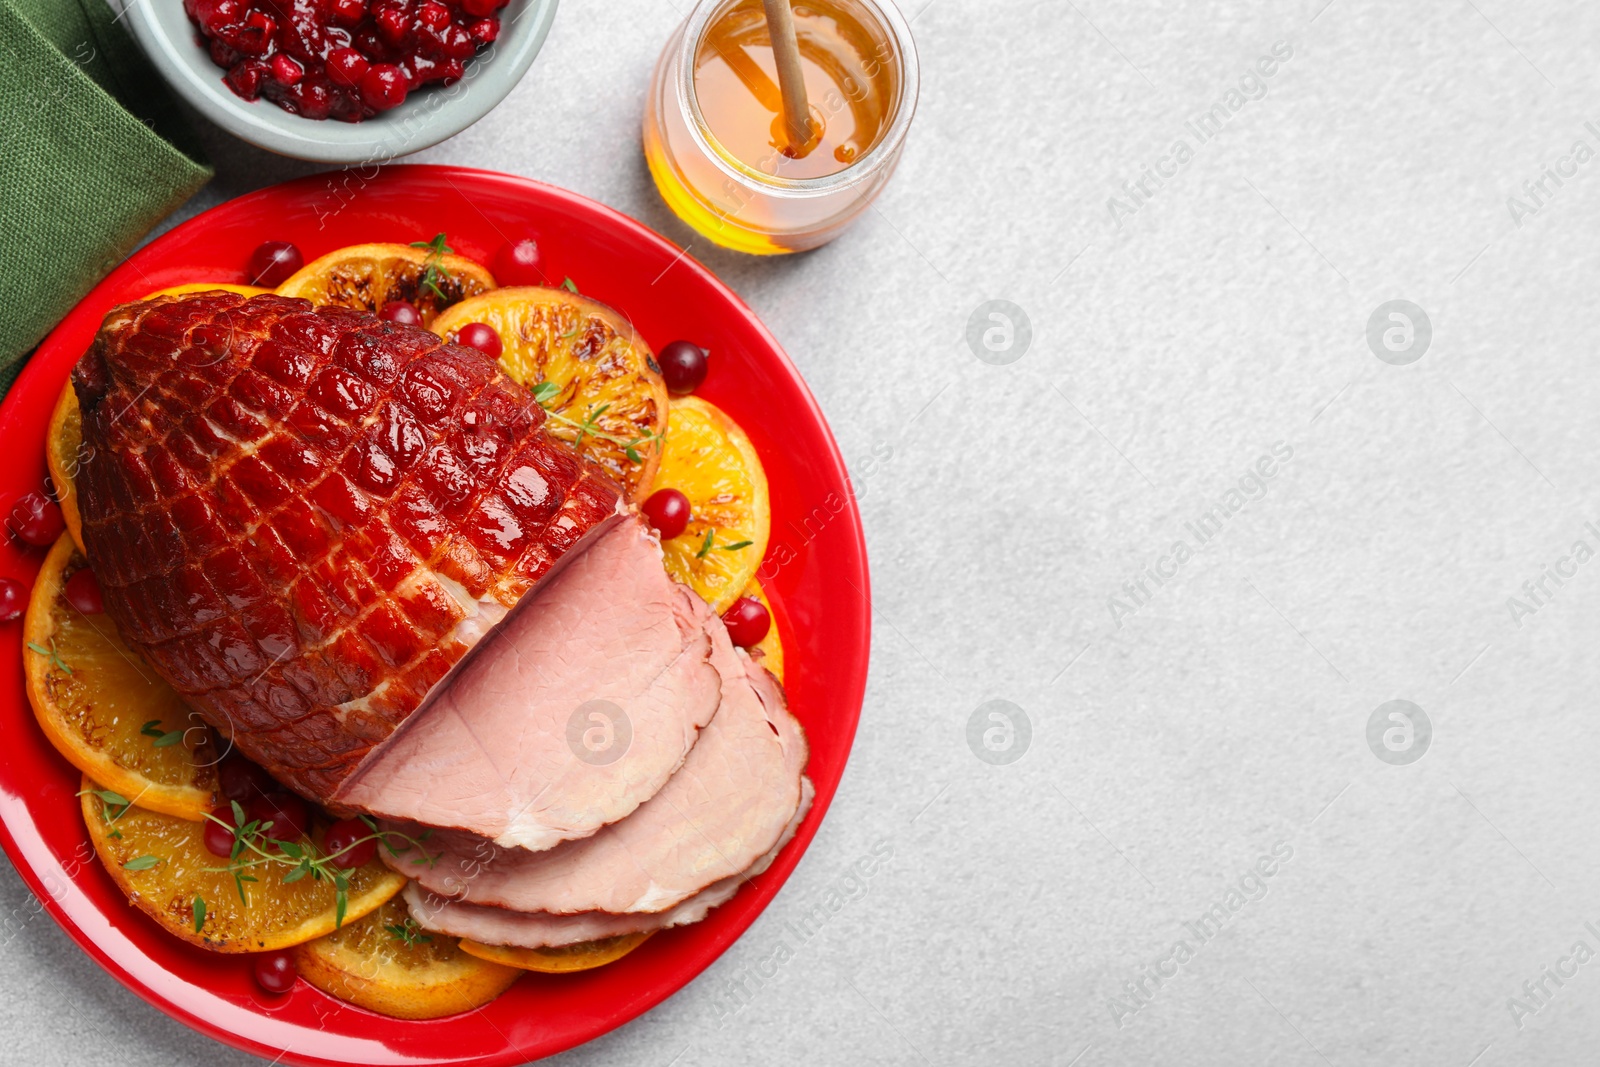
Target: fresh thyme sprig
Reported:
[(163, 739), (710, 542), (408, 933), (55, 657), (589, 426), (253, 847), (114, 807), (431, 272)]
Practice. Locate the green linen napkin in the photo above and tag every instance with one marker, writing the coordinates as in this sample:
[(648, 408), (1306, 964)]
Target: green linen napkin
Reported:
[(93, 154)]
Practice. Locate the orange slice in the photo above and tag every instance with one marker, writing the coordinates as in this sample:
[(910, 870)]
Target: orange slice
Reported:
[(388, 964), (585, 363), (584, 956), (104, 709), (369, 276), (164, 867), (709, 459), (64, 453), (769, 650), (208, 287)]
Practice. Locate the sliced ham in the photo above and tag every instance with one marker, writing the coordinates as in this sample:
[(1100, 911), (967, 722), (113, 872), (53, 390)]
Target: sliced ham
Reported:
[(526, 746), (498, 926), (724, 808)]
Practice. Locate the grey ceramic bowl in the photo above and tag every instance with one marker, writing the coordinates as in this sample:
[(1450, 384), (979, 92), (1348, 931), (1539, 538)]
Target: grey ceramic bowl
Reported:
[(426, 118)]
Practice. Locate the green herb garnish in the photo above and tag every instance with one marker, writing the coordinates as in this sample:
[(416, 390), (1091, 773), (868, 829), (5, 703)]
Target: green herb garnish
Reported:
[(710, 542), (113, 807), (431, 271), (141, 863), (408, 933), (163, 739), (589, 425), (55, 657), (253, 846)]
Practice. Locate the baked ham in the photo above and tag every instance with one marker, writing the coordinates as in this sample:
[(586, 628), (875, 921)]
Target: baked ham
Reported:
[(356, 551), (304, 518)]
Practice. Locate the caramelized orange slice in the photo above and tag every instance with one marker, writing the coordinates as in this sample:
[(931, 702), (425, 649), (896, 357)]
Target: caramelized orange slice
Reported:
[(584, 956), (369, 276), (388, 964), (63, 454), (164, 867), (709, 459), (104, 709), (208, 287), (590, 370)]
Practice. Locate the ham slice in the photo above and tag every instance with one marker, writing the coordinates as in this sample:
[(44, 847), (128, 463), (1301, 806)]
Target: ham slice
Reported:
[(577, 709), (498, 926), (724, 808)]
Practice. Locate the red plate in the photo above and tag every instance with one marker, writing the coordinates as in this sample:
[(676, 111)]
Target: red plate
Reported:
[(815, 573)]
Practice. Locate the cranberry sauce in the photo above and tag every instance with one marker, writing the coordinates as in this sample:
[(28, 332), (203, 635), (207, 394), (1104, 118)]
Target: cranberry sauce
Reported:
[(341, 59)]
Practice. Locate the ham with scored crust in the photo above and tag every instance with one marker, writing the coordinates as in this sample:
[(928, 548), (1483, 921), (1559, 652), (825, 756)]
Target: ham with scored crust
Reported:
[(356, 551), (303, 518)]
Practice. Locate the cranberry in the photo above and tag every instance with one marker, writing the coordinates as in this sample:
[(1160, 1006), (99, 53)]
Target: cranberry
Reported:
[(83, 592), (342, 835), (214, 15), (401, 311), (383, 87), (219, 836), (747, 621), (286, 812), (246, 78), (256, 39), (285, 71), (273, 262), (346, 66), (433, 15), (668, 512), (482, 336), (456, 44), (683, 365), (13, 599), (450, 71), (392, 24), (517, 263), (481, 8), (347, 12), (484, 31), (244, 781), (312, 99), (35, 520), (275, 972)]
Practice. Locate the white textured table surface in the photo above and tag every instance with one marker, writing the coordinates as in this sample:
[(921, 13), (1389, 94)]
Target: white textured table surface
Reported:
[(1227, 715)]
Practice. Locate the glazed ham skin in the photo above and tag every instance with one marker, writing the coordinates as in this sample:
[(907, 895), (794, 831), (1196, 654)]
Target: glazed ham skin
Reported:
[(304, 519)]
